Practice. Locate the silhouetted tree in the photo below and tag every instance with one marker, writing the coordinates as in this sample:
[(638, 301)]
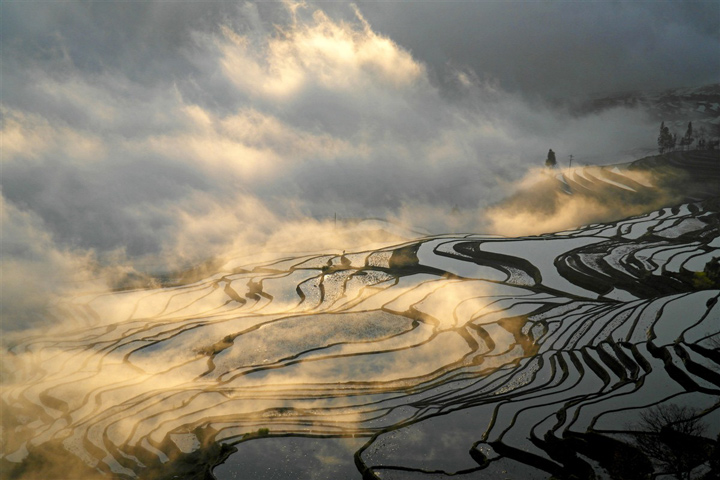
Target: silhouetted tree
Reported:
[(551, 162), (683, 143), (660, 139), (688, 139), (665, 139), (672, 437), (714, 473)]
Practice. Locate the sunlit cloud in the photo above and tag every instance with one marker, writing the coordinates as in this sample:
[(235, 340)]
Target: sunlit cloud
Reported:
[(264, 138), (202, 213), (28, 137), (336, 56), (544, 201)]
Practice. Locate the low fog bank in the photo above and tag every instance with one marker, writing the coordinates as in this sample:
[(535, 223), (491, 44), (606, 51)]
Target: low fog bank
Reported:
[(256, 130), (545, 203)]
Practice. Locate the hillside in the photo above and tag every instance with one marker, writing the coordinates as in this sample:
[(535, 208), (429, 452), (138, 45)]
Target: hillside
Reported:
[(558, 199), (562, 355)]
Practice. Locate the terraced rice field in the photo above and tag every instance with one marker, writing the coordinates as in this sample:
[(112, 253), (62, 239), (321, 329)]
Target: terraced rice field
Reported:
[(479, 356)]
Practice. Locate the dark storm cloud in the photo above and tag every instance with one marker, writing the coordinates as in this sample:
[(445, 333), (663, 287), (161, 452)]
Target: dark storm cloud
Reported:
[(558, 49)]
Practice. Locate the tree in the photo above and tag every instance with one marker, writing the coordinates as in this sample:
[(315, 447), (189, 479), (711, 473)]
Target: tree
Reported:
[(688, 139), (661, 139), (712, 270), (551, 162), (701, 134), (709, 277), (683, 143), (672, 436), (665, 140)]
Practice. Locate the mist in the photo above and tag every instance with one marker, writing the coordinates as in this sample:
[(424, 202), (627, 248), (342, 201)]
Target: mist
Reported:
[(224, 221), (140, 139)]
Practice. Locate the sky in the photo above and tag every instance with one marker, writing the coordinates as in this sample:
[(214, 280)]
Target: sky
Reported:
[(152, 135)]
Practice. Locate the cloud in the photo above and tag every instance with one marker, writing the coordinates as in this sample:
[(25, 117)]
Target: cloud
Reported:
[(257, 126), (550, 49), (542, 204), (143, 139), (34, 270), (335, 56)]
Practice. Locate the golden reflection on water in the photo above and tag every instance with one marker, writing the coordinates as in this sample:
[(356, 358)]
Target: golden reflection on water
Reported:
[(154, 382)]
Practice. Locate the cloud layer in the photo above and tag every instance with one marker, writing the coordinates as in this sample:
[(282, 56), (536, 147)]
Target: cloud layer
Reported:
[(161, 134), (558, 49)]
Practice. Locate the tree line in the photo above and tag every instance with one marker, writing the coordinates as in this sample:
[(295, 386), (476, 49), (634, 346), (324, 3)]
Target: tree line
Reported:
[(669, 142)]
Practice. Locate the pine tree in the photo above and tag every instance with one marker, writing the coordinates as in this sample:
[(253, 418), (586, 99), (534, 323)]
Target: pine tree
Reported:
[(665, 140), (551, 162), (688, 138)]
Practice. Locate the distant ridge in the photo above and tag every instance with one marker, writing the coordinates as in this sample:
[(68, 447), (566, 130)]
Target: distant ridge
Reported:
[(697, 104)]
